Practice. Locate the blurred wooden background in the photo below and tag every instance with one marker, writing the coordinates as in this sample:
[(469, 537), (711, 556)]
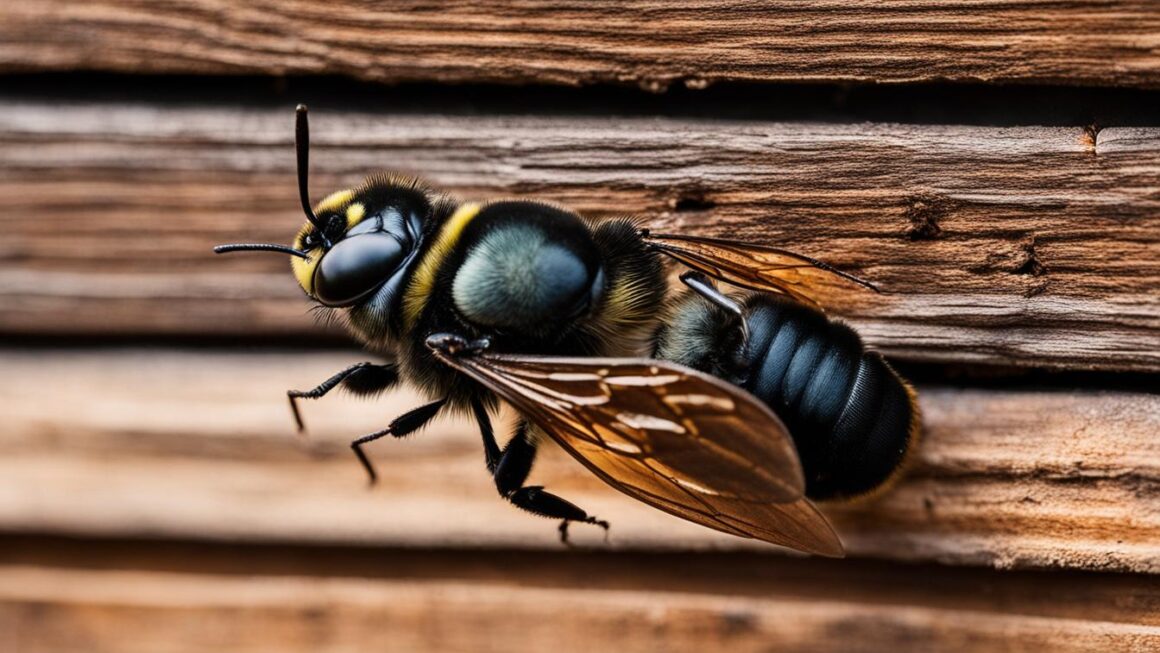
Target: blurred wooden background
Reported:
[(995, 167)]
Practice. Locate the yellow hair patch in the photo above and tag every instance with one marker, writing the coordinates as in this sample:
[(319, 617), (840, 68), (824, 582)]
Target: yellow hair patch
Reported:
[(334, 201), (354, 214), (421, 284)]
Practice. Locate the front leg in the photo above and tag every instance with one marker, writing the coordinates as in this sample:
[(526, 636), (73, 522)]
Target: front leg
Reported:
[(511, 468), (362, 379)]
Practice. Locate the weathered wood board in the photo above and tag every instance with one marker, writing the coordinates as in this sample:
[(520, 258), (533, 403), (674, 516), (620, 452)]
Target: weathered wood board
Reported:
[(1024, 245), (128, 597), (199, 444), (647, 43)]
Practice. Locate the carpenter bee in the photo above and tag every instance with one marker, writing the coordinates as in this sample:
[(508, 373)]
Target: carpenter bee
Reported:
[(529, 303)]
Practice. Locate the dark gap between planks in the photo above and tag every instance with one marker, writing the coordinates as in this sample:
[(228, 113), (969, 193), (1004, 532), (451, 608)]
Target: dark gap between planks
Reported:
[(946, 103), (951, 375), (1065, 593)]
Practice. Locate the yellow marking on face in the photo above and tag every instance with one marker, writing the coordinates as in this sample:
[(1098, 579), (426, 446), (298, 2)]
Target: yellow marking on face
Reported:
[(354, 214), (304, 269), (415, 297)]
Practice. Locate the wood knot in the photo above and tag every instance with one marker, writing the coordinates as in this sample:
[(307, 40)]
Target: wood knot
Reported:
[(924, 213), (1028, 262), (692, 201)]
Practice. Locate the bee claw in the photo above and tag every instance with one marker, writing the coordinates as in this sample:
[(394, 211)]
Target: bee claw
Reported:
[(297, 414), (563, 528)]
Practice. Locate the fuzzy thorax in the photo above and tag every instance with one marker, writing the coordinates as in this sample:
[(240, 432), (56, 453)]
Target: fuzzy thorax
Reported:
[(516, 277)]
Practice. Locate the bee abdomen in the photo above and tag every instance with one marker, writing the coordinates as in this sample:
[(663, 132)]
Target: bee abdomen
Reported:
[(873, 434), (849, 414)]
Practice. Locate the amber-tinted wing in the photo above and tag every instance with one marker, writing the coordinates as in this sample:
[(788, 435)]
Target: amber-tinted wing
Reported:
[(758, 267), (676, 439)]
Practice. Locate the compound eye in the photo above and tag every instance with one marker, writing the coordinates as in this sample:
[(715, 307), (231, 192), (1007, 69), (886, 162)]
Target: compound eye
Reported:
[(356, 267)]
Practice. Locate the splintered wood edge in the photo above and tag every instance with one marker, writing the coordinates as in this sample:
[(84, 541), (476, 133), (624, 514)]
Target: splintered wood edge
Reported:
[(993, 245), (1090, 43), (157, 443)]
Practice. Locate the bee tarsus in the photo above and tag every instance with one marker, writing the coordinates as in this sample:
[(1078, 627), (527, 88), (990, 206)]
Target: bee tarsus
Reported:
[(563, 528)]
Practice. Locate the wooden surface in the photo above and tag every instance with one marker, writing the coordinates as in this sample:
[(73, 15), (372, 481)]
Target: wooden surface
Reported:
[(647, 43), (199, 444), (129, 598), (1025, 246), (153, 495)]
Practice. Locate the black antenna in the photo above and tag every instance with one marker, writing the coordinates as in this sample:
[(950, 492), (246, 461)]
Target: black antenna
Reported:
[(302, 146), (260, 247)]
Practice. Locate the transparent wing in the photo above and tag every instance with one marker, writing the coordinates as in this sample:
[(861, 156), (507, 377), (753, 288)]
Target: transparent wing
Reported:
[(679, 440), (758, 267)]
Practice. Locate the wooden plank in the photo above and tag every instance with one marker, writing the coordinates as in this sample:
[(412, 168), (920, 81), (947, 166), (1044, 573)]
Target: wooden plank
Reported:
[(128, 612), (95, 597), (198, 444), (648, 43), (1027, 246)]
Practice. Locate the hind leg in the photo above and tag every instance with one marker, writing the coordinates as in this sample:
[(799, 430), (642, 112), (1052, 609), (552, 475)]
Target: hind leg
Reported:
[(510, 468)]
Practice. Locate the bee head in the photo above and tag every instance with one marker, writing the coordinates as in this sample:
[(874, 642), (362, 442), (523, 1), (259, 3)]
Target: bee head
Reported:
[(356, 243), (361, 241)]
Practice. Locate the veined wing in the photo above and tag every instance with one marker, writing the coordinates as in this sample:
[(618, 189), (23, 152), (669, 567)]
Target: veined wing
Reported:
[(681, 441), (758, 267)]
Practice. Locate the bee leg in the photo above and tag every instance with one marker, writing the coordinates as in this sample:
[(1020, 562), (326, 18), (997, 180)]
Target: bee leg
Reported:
[(703, 286), (403, 425), (512, 469), (361, 379), (491, 450)]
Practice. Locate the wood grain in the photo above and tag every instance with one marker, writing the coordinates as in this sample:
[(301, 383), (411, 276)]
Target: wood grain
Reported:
[(127, 598), (1027, 246), (648, 43), (163, 443)]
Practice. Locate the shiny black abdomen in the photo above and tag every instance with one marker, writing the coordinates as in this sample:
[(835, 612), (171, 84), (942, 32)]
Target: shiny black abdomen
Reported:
[(848, 412)]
